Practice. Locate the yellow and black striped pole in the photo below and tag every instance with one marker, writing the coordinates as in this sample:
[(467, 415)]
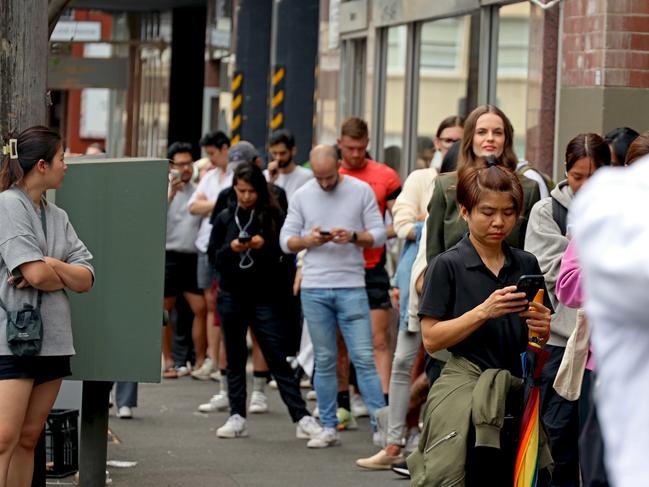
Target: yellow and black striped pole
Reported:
[(237, 106), (277, 102)]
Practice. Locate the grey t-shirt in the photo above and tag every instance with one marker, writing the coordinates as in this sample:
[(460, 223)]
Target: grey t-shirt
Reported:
[(182, 226), (352, 206), (21, 241)]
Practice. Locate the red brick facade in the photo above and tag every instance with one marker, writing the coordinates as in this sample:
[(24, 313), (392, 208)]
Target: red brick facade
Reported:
[(605, 43)]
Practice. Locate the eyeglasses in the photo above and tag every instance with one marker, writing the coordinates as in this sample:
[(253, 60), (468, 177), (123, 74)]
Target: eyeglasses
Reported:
[(448, 141)]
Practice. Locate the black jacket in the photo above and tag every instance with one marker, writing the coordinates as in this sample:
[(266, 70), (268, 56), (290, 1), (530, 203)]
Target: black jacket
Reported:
[(268, 275)]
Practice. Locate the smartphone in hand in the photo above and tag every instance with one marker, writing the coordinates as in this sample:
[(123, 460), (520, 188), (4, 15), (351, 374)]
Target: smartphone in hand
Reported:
[(530, 285), (325, 233)]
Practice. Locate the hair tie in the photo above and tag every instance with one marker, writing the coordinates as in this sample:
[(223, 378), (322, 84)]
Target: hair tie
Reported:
[(492, 161), (11, 149)]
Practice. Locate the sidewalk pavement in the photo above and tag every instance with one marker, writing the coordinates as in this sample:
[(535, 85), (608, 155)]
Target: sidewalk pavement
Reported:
[(175, 445)]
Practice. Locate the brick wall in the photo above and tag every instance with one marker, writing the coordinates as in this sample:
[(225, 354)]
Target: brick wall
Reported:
[(605, 43)]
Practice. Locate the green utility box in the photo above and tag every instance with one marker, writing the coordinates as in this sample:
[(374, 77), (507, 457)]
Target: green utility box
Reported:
[(118, 207)]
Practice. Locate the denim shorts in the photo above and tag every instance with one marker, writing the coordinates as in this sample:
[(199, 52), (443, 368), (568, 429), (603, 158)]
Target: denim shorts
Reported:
[(40, 368), (205, 274)]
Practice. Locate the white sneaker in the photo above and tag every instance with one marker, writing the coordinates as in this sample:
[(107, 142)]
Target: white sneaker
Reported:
[(125, 412), (216, 376), (272, 384), (234, 427), (359, 409), (204, 371), (218, 402), (182, 370), (308, 427), (327, 437), (258, 403), (311, 396), (316, 412)]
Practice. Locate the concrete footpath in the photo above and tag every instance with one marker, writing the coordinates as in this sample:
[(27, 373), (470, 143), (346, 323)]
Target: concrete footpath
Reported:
[(175, 445)]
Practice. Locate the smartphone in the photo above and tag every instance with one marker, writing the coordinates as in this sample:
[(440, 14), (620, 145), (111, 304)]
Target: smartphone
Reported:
[(18, 277), (325, 233), (530, 285), (175, 174), (244, 239)]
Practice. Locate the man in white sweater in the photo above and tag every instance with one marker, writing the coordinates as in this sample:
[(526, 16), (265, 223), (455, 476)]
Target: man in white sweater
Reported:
[(335, 217)]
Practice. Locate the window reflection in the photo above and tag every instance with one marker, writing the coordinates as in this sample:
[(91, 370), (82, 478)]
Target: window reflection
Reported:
[(442, 84), (511, 85), (394, 102)]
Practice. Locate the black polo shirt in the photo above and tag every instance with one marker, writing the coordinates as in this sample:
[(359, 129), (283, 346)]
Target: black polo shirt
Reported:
[(457, 281)]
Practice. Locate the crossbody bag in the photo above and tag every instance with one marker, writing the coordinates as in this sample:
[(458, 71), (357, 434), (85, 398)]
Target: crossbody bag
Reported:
[(25, 326)]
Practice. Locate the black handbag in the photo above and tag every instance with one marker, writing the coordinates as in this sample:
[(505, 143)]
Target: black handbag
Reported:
[(25, 329), (25, 326)]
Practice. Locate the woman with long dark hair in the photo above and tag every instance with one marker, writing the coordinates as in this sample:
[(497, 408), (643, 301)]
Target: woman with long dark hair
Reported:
[(40, 257), (487, 132), (252, 278)]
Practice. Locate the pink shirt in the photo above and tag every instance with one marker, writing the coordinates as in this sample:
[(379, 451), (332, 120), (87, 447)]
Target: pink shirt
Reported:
[(568, 287)]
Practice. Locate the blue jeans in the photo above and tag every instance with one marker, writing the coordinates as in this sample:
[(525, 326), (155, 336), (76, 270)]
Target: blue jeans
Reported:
[(323, 308)]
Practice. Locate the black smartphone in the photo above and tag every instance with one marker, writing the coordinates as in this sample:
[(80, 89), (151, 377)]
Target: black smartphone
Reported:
[(325, 233), (18, 277), (530, 285), (245, 239)]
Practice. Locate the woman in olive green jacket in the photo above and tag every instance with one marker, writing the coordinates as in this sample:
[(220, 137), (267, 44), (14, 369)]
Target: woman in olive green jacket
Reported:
[(487, 132)]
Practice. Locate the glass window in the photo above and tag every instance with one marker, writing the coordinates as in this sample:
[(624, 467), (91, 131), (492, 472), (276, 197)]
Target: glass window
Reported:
[(511, 83), (442, 84), (442, 44), (394, 102)]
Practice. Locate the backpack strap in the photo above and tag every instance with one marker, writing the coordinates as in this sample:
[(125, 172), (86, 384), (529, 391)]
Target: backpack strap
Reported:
[(560, 215)]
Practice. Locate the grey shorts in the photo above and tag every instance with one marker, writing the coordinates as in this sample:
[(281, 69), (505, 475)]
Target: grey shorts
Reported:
[(205, 274)]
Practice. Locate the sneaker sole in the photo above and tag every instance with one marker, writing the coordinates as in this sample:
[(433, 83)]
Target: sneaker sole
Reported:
[(334, 443), (401, 471), (300, 434), (254, 410), (212, 410), (242, 434)]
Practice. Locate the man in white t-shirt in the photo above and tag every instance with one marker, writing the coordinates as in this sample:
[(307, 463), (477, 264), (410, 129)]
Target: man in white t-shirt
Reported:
[(282, 170), (201, 203)]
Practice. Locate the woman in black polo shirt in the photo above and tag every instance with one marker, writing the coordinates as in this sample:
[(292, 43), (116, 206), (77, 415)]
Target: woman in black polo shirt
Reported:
[(470, 307)]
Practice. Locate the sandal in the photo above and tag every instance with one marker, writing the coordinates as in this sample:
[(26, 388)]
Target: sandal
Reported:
[(170, 373)]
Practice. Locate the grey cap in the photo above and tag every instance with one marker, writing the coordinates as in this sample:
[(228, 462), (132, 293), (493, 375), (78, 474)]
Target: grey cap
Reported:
[(242, 152)]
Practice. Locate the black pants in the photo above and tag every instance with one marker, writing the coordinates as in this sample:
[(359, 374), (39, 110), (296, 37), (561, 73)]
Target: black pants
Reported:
[(591, 443), (182, 348), (561, 418), (237, 311)]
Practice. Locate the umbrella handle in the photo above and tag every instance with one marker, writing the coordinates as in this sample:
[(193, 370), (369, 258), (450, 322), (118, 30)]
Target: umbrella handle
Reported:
[(535, 338)]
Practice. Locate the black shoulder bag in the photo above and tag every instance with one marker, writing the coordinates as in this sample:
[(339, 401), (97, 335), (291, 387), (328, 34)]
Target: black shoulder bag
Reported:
[(25, 327)]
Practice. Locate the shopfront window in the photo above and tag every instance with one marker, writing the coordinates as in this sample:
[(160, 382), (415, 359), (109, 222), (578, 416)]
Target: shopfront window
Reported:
[(512, 69), (394, 101), (442, 82)]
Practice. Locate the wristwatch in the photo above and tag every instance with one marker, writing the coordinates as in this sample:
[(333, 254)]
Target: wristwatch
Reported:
[(354, 237)]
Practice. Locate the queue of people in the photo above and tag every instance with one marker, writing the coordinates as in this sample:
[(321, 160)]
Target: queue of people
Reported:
[(290, 256)]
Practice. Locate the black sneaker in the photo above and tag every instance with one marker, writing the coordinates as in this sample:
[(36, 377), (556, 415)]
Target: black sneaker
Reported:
[(401, 469)]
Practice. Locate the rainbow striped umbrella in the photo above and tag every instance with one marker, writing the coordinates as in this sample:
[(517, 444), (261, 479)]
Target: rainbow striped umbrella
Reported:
[(526, 468)]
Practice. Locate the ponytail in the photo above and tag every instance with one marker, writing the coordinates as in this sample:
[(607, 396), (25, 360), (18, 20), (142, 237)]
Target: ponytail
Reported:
[(22, 153)]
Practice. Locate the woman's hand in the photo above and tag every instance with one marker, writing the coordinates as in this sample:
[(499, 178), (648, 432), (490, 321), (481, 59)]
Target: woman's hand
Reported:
[(537, 320), (257, 242), (239, 247), (395, 296), (502, 302)]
